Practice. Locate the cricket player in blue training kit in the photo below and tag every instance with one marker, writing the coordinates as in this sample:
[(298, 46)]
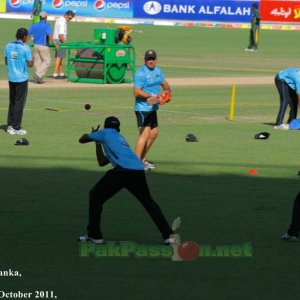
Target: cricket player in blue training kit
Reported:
[(287, 82), (148, 81), (128, 172), (17, 58)]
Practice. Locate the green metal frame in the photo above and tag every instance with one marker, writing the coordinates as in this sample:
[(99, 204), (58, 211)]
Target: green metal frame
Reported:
[(109, 59)]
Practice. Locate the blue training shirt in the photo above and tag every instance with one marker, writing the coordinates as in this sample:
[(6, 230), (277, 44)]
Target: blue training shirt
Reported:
[(17, 54), (40, 32), (292, 77), (117, 149), (149, 81)]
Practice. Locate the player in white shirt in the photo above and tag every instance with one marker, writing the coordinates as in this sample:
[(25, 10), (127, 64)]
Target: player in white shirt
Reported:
[(60, 36)]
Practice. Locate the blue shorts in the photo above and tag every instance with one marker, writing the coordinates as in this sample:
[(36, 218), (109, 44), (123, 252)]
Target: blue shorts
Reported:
[(146, 119)]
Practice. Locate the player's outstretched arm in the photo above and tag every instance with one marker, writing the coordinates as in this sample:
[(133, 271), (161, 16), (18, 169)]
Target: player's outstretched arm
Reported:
[(85, 139)]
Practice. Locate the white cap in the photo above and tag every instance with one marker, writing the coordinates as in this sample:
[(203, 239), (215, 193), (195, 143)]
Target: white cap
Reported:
[(43, 15)]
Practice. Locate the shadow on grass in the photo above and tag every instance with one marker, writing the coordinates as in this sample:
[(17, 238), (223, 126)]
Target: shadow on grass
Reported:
[(3, 127), (43, 211), (270, 124)]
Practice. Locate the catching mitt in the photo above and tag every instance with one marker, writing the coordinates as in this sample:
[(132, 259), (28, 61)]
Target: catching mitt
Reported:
[(166, 97)]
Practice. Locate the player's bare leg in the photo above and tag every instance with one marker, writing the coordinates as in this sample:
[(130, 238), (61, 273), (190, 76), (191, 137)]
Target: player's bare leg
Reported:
[(152, 137), (57, 66), (144, 142), (141, 142)]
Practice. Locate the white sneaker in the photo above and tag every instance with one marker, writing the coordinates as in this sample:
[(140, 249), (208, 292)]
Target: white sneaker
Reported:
[(282, 126), (85, 238), (290, 238), (170, 241), (148, 165), (20, 132), (10, 130)]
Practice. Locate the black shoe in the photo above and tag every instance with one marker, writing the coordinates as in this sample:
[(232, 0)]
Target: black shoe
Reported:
[(37, 79)]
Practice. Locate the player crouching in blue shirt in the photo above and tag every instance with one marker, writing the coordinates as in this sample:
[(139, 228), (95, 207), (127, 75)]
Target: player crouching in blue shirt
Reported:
[(287, 82), (128, 172)]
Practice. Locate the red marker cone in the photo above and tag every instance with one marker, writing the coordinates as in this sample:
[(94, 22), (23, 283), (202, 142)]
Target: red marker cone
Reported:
[(252, 172)]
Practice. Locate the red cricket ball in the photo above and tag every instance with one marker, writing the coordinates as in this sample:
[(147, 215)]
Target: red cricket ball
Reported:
[(188, 250), (87, 106)]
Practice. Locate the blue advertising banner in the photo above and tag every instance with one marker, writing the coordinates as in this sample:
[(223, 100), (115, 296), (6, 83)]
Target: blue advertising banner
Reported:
[(87, 8), (213, 10)]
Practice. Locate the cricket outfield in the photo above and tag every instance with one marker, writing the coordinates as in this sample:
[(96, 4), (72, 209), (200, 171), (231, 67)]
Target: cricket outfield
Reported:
[(44, 186)]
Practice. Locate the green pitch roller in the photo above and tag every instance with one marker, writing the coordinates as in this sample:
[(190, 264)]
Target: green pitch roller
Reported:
[(109, 58)]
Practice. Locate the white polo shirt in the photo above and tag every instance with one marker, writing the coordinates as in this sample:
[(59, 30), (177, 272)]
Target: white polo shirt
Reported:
[(60, 27)]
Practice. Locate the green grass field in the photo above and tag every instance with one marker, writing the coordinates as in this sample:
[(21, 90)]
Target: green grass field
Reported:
[(44, 187)]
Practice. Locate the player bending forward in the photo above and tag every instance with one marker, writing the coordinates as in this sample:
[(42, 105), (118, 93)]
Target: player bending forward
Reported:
[(128, 172)]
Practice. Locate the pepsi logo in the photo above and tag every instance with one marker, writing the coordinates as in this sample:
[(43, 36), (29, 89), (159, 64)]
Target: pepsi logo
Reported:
[(99, 5), (14, 3), (57, 4)]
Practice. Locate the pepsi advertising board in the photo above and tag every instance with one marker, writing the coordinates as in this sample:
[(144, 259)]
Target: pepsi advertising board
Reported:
[(214, 10), (234, 11), (87, 8)]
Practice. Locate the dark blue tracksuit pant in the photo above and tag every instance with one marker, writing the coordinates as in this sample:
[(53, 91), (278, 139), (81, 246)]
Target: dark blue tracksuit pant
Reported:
[(110, 184), (295, 224), (288, 97)]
